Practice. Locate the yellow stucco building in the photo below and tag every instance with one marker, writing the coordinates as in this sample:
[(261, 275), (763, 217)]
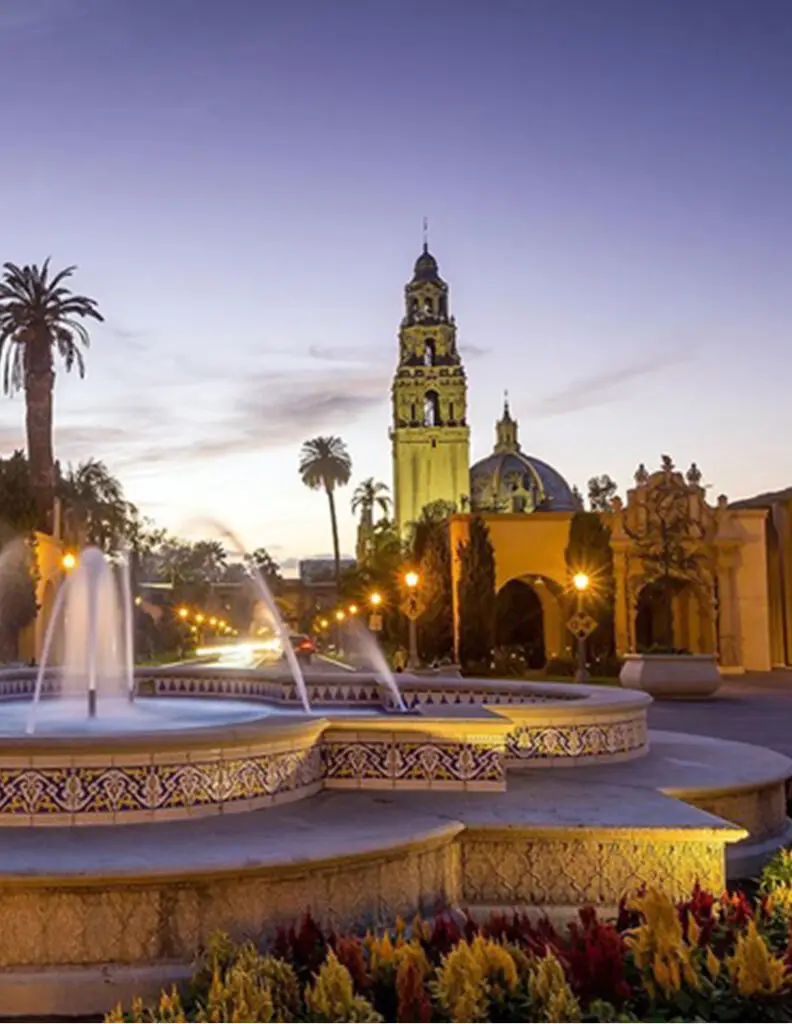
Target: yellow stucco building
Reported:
[(736, 600)]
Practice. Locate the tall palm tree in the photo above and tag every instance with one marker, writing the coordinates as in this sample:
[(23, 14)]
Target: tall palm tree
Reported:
[(325, 464), (40, 316), (369, 494)]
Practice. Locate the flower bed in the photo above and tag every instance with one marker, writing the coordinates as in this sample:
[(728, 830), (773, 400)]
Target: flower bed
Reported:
[(711, 958)]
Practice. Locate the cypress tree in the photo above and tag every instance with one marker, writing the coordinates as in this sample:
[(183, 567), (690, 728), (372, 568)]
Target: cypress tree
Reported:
[(476, 593), (436, 625)]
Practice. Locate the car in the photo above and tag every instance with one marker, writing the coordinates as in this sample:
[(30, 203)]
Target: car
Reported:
[(303, 646)]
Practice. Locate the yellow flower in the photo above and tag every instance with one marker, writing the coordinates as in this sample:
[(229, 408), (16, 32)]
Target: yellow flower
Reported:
[(713, 964), (381, 951), (753, 969), (551, 996), (460, 985), (332, 995), (658, 945)]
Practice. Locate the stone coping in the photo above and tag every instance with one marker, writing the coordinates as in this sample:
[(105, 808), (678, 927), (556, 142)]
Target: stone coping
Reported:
[(334, 826), (669, 657)]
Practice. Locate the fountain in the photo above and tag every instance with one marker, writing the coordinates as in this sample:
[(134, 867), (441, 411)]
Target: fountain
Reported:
[(216, 803)]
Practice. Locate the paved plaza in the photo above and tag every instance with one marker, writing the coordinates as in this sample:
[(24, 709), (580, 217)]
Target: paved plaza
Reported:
[(754, 708)]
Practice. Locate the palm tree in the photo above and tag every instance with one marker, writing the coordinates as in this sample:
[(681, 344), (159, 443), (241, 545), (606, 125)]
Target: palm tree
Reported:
[(95, 507), (325, 464), (369, 494), (39, 316)]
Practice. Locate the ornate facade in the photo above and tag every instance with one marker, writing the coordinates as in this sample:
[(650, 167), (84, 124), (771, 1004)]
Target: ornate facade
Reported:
[(710, 560), (430, 435)]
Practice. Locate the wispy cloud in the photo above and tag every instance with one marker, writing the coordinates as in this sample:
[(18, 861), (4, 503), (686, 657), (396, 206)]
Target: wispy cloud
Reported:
[(469, 351), (343, 353), (269, 411), (607, 386)]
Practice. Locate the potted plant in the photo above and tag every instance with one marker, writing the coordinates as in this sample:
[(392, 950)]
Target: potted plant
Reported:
[(666, 540)]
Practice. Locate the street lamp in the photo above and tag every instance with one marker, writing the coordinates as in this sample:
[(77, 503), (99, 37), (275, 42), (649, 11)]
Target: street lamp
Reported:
[(581, 582), (69, 561), (353, 609), (411, 581), (323, 623), (375, 599), (340, 616), (183, 613)]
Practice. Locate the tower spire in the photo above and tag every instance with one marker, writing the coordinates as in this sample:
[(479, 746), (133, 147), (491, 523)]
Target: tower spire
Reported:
[(506, 403), (426, 234)]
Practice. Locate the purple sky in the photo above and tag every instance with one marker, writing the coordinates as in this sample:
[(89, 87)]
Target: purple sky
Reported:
[(242, 183)]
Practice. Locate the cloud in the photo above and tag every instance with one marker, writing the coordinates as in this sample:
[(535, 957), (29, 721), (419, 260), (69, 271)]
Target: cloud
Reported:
[(473, 351), (595, 389), (272, 410), (132, 338), (342, 353)]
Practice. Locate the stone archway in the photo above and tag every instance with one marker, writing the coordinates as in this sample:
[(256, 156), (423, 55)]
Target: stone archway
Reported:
[(519, 621), (542, 609)]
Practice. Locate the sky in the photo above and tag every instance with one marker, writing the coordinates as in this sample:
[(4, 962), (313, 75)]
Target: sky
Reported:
[(242, 185)]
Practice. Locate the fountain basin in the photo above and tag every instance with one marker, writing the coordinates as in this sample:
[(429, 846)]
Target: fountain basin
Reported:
[(211, 742)]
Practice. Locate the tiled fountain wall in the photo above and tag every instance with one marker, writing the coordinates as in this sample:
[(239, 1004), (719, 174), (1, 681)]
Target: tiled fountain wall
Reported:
[(461, 735)]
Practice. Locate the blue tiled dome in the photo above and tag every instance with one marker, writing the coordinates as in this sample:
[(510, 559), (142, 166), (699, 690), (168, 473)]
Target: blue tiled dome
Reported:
[(511, 481)]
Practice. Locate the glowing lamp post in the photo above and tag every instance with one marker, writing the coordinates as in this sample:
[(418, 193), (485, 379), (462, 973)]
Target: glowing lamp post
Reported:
[(183, 613), (69, 561), (340, 616), (375, 619), (412, 608), (581, 582)]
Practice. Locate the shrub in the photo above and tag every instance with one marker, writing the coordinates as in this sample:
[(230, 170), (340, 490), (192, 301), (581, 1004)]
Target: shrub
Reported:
[(707, 958)]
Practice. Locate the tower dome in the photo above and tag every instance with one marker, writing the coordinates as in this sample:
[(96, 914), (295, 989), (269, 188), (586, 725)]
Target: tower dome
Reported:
[(511, 481)]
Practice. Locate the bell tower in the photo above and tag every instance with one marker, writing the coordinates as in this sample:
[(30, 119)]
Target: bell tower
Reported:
[(430, 435)]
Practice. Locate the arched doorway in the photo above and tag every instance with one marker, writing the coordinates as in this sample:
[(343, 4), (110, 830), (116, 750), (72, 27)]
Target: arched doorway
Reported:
[(519, 621), (679, 617)]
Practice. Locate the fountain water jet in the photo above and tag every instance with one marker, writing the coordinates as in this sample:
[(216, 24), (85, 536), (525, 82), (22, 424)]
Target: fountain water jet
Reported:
[(372, 652), (97, 660), (280, 627)]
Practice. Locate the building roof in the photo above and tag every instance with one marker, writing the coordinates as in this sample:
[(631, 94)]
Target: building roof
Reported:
[(503, 473)]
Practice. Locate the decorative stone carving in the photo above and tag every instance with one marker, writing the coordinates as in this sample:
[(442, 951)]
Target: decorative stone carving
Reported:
[(503, 871)]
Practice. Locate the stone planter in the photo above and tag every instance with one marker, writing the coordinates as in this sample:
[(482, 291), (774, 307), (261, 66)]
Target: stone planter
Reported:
[(671, 676)]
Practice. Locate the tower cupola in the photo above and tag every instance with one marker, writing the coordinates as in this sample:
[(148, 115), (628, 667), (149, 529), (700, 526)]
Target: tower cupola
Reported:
[(506, 430)]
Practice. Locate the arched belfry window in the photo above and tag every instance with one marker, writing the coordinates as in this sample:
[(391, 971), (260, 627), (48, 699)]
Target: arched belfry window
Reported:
[(429, 305), (431, 409), (442, 306), (413, 307), (430, 352)]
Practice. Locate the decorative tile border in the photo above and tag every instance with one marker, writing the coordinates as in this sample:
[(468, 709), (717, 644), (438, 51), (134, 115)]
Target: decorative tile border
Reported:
[(89, 790), (428, 762), (577, 740), (439, 697)]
